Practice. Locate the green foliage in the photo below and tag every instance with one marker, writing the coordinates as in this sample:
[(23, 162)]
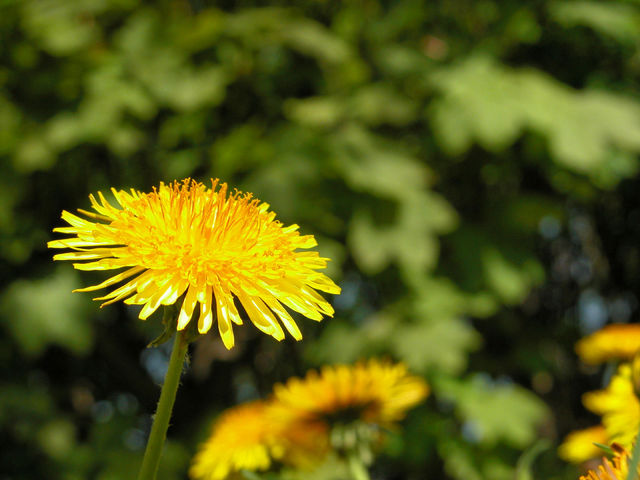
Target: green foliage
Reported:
[(450, 339), (494, 412), (463, 461), (525, 462), (31, 312), (443, 153), (618, 20), (492, 104), (332, 469)]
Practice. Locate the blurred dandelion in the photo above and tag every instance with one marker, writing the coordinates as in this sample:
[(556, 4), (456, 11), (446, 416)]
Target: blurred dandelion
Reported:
[(335, 410), (375, 391), (613, 342), (580, 445), (615, 469), (618, 405), (345, 406), (242, 438)]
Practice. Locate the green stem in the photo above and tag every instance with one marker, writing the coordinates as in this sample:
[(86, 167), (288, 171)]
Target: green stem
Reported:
[(358, 470), (161, 419), (635, 459)]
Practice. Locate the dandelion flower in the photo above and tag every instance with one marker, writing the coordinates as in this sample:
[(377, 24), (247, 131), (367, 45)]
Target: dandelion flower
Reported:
[(304, 442), (339, 405), (374, 392), (613, 342), (201, 246), (615, 469), (295, 426), (242, 439), (579, 445), (618, 405)]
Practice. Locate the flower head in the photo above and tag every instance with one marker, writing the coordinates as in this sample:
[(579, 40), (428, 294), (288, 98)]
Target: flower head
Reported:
[(375, 392), (613, 342), (580, 445), (618, 405), (248, 437), (297, 426), (242, 439), (615, 469), (340, 406), (184, 240)]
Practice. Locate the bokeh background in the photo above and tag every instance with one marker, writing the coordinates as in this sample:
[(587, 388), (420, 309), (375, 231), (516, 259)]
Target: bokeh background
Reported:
[(471, 167)]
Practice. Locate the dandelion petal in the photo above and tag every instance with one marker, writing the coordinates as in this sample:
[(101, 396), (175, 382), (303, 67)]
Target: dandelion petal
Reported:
[(211, 245)]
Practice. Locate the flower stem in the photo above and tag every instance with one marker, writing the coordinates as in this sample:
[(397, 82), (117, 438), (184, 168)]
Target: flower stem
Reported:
[(161, 419), (357, 468), (635, 459)]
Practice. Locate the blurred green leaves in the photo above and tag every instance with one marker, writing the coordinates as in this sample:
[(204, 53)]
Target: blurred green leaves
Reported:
[(616, 19), (492, 415), (464, 461), (57, 438), (42, 312), (495, 412), (494, 105), (449, 341), (433, 318), (408, 235), (426, 145), (58, 26)]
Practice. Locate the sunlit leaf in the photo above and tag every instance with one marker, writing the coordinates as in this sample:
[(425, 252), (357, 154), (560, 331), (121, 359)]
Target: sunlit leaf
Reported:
[(617, 19), (484, 100)]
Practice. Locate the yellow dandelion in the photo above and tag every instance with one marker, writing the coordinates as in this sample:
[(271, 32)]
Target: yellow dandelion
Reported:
[(613, 342), (339, 405), (304, 443), (375, 391), (615, 469), (204, 246), (579, 446), (242, 438), (618, 405)]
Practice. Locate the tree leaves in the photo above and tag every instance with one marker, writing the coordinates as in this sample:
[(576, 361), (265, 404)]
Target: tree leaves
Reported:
[(485, 101), (426, 146), (43, 312), (492, 411)]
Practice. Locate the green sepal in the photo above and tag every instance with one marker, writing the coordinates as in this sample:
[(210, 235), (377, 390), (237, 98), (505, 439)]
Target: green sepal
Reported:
[(170, 322), (354, 439), (605, 448)]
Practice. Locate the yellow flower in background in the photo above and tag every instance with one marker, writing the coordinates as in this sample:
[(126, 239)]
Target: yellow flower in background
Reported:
[(247, 437), (297, 425), (618, 405), (609, 470), (184, 239), (242, 439), (374, 391), (613, 342), (305, 443), (340, 406), (615, 469), (579, 446)]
